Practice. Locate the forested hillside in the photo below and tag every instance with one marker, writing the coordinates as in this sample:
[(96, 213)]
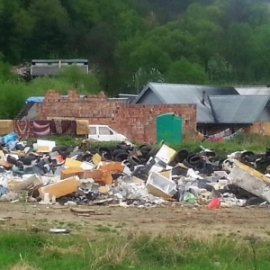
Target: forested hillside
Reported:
[(131, 42)]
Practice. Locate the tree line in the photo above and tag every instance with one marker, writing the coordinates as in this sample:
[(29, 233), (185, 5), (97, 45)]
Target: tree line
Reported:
[(131, 42)]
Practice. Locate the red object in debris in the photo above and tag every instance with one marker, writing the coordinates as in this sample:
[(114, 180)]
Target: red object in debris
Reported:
[(215, 203), (60, 159)]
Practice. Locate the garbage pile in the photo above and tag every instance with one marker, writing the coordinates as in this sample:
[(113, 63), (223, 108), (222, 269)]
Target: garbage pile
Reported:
[(127, 175)]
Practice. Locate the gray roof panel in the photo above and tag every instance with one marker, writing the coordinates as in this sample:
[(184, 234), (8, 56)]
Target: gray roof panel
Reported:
[(188, 94), (238, 109), (263, 90)]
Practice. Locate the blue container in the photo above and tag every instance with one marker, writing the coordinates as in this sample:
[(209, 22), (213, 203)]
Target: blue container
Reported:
[(11, 137)]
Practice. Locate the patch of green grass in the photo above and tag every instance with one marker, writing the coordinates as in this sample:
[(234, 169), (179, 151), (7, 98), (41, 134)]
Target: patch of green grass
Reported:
[(44, 220), (105, 229), (109, 251)]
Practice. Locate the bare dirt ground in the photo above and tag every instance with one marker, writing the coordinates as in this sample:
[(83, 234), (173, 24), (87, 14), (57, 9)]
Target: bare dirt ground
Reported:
[(198, 222)]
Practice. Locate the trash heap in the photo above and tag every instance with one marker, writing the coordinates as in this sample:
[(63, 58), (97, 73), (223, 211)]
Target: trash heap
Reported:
[(127, 175)]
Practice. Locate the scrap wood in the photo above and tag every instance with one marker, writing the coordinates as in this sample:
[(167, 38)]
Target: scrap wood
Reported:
[(86, 212), (83, 215), (119, 205), (82, 210), (100, 202), (93, 214)]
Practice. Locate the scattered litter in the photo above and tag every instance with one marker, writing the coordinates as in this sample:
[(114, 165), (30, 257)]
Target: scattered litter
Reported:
[(215, 203), (59, 231), (125, 175)]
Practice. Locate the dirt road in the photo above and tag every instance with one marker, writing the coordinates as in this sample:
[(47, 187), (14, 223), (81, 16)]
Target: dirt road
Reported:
[(198, 222)]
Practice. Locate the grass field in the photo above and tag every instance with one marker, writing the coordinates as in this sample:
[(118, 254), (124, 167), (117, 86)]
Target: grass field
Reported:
[(162, 238), (105, 250), (102, 247)]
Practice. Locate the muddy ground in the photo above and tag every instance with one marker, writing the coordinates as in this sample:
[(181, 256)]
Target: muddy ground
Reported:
[(199, 222)]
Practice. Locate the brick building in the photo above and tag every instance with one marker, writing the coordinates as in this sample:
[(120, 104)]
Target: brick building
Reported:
[(137, 122)]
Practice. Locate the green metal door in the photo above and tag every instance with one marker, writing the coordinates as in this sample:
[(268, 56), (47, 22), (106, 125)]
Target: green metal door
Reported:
[(169, 128)]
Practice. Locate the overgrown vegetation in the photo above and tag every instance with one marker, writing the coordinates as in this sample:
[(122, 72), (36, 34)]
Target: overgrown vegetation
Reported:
[(32, 251), (14, 91), (131, 42)]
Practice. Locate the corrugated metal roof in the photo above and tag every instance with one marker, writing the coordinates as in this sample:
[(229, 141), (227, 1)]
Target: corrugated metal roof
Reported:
[(259, 90), (188, 94), (121, 100), (238, 109), (57, 60), (131, 97)]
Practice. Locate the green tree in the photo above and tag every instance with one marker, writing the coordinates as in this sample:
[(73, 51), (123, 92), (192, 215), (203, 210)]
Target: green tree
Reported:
[(7, 26), (39, 86), (148, 55), (239, 47), (144, 76), (219, 70), (261, 53), (128, 24), (6, 73), (74, 76), (122, 54), (50, 29), (207, 33), (13, 95), (260, 14), (127, 39), (182, 71), (22, 34)]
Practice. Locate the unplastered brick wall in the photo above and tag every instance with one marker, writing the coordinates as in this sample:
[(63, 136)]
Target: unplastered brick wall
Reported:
[(137, 122)]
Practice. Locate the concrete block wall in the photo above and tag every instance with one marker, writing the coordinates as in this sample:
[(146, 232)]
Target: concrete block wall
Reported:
[(137, 122)]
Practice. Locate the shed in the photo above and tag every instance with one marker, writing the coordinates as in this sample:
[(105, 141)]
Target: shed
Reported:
[(164, 93), (52, 67)]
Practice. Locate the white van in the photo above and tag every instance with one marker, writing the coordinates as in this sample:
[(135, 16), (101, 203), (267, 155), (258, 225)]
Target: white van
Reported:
[(106, 133)]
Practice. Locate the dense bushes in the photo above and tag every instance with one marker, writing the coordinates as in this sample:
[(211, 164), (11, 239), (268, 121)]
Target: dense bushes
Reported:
[(15, 91)]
